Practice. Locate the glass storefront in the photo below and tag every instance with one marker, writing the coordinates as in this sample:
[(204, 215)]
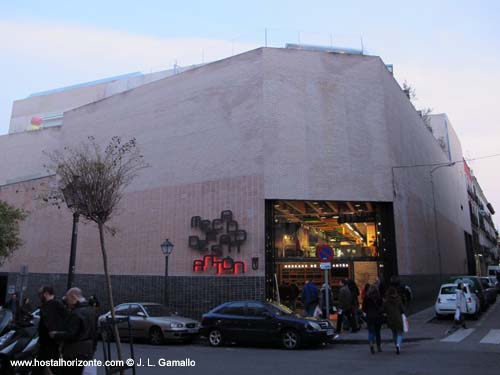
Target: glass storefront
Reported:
[(354, 231)]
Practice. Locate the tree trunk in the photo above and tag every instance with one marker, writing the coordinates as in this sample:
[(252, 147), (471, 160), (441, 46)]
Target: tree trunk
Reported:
[(110, 293)]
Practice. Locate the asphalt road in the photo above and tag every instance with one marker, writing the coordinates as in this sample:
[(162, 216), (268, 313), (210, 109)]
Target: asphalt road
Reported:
[(460, 353)]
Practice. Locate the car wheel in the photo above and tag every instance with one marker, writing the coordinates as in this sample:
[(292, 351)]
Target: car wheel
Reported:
[(215, 337), (155, 336), (290, 339), (439, 316)]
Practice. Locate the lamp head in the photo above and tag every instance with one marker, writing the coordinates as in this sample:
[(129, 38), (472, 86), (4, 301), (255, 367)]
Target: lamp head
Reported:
[(167, 247)]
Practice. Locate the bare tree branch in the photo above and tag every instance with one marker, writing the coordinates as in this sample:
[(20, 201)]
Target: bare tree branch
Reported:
[(91, 181)]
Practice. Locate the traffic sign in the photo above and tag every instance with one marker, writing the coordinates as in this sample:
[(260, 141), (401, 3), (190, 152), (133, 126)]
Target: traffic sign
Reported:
[(324, 253), (325, 266)]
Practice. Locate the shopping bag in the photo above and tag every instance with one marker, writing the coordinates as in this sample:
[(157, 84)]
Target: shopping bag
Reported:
[(457, 315), (317, 312), (406, 324)]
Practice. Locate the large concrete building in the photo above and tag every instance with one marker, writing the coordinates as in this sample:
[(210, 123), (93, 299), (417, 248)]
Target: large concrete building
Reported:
[(256, 161)]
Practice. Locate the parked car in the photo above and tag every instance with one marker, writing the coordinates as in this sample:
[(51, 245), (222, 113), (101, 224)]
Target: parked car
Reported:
[(154, 322), (262, 322), (492, 270), (476, 288), (490, 291), (495, 283), (446, 302)]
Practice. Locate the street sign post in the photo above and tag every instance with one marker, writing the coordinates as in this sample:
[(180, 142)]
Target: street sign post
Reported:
[(325, 255), (326, 267)]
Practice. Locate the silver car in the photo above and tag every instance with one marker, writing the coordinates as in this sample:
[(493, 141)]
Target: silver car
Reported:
[(154, 322)]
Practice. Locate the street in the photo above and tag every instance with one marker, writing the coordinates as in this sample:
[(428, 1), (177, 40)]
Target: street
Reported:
[(428, 350)]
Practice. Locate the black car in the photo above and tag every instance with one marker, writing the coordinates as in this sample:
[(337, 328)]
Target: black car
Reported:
[(262, 322), (477, 288), (490, 291)]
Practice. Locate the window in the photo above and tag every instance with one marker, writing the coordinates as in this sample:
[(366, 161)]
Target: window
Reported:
[(122, 310), (134, 310), (449, 290), (236, 308), (256, 309), (279, 309)]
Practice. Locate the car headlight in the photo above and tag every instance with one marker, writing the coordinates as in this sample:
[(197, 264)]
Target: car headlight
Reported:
[(6, 337), (314, 326), (176, 325)]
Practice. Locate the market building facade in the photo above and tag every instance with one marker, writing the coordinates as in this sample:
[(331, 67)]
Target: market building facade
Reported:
[(256, 162)]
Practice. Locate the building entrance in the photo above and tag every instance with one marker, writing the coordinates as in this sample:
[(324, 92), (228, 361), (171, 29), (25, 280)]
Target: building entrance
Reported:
[(359, 235)]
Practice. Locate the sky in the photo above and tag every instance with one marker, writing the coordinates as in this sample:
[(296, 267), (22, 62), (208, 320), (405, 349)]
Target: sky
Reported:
[(449, 51)]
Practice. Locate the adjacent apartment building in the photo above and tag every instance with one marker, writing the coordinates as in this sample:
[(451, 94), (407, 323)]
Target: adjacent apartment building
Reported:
[(257, 163)]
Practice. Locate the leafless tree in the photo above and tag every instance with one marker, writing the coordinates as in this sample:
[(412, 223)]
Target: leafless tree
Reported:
[(424, 113), (93, 179), (409, 91), (426, 118)]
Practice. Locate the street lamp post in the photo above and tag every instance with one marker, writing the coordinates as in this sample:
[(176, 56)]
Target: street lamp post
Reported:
[(166, 248), (435, 216), (70, 196)]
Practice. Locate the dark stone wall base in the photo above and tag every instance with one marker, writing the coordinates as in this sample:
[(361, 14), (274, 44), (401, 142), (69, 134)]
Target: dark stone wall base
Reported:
[(190, 296), (425, 289)]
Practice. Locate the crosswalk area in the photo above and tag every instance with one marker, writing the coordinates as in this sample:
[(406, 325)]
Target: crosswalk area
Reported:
[(461, 335)]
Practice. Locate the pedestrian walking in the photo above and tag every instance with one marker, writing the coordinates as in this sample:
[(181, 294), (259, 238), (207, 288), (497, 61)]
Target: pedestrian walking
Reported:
[(25, 310), (461, 307), (393, 308), (373, 309), (365, 291), (310, 298), (53, 315), (79, 336), (13, 305), (355, 303), (404, 291), (380, 284), (345, 307), (294, 293)]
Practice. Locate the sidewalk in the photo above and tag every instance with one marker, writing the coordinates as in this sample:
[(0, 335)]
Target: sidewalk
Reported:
[(419, 330)]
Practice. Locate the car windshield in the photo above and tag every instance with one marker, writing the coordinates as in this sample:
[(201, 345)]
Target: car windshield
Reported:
[(449, 289), (156, 310), (279, 309)]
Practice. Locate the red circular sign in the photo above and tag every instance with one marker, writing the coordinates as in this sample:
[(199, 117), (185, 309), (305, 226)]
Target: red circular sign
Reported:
[(324, 253)]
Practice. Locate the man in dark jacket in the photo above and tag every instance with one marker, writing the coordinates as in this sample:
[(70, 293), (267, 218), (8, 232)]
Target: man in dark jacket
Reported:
[(13, 305), (53, 314), (310, 298), (355, 303), (345, 307), (79, 336)]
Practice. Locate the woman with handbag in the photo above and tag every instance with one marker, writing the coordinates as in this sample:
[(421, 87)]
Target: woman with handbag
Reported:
[(393, 308)]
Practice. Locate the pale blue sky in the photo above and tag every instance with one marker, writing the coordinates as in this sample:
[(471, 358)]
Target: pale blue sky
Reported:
[(448, 50)]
